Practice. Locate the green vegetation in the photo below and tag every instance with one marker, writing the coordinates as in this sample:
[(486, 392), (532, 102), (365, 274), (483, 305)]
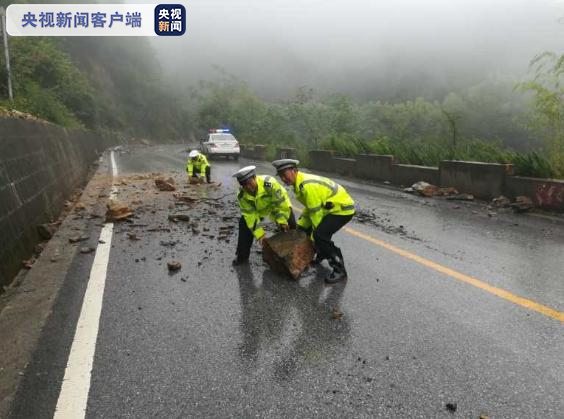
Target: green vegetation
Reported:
[(415, 132), (109, 84), (547, 114)]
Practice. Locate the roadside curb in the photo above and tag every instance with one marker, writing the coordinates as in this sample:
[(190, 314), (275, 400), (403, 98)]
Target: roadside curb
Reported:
[(25, 308)]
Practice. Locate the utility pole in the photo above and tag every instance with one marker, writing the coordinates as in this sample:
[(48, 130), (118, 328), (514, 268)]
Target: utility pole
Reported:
[(6, 52)]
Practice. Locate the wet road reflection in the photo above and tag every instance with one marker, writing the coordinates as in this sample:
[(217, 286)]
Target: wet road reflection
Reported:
[(287, 326)]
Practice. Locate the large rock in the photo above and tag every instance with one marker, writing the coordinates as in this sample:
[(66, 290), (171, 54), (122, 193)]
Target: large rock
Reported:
[(289, 253), (165, 184), (117, 211), (522, 204)]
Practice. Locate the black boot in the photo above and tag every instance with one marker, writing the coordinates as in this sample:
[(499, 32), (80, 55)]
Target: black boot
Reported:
[(339, 272), (239, 261), (318, 259)]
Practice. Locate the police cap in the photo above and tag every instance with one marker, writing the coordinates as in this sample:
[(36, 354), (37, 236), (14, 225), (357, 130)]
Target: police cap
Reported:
[(245, 173), (281, 165)]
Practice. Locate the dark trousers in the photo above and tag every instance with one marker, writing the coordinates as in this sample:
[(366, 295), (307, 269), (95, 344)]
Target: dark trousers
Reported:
[(324, 246), (245, 240), (198, 172)]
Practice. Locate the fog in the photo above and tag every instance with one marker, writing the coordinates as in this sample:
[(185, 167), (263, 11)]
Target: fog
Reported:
[(388, 49)]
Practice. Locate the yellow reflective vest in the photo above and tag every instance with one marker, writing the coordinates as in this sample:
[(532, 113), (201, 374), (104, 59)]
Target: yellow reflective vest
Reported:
[(270, 200), (320, 197), (200, 162)]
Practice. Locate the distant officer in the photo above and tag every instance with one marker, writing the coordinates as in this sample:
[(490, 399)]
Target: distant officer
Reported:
[(328, 207), (259, 196), (197, 164)]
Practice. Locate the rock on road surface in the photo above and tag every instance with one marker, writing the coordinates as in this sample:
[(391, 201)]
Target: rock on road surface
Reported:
[(448, 312)]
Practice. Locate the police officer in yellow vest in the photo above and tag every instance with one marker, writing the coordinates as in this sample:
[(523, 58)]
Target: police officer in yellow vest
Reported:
[(259, 196), (328, 207), (198, 164)]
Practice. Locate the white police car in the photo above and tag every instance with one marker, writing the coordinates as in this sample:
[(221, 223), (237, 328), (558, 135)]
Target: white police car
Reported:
[(220, 142)]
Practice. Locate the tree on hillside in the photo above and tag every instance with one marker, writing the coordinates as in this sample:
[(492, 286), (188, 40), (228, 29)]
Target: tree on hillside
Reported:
[(547, 115)]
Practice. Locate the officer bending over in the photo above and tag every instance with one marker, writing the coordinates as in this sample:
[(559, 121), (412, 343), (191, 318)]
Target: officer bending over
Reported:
[(328, 207), (259, 196), (197, 164)]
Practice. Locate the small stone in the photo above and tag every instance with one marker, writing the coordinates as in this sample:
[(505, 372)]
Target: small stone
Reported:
[(522, 204), (174, 265), (165, 184), (132, 236), (77, 239), (451, 407), (337, 315), (86, 250), (178, 217), (28, 264)]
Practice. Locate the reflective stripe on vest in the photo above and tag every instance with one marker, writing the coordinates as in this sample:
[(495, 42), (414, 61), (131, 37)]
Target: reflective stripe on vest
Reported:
[(334, 188)]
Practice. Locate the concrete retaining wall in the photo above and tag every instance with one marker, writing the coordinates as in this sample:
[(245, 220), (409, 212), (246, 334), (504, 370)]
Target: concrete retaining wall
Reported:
[(257, 152), (483, 180), (345, 167), (374, 167), (40, 165), (286, 153), (407, 175), (545, 193), (322, 160)]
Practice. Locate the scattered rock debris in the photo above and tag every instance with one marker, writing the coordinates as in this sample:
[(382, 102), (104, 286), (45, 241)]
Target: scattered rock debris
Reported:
[(461, 197), (86, 249), (185, 198), (501, 202), (77, 239), (428, 190), (174, 266), (196, 180), (369, 217)]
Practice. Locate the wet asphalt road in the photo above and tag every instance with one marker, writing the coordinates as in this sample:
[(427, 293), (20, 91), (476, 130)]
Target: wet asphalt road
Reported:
[(214, 341)]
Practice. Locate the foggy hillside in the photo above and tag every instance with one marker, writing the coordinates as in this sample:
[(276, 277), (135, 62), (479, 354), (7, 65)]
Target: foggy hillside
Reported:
[(391, 49)]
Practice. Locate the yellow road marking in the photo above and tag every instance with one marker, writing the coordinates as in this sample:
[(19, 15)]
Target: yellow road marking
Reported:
[(506, 295)]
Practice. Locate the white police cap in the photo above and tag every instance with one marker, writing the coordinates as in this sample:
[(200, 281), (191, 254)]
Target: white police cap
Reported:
[(193, 154), (245, 173), (284, 164)]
